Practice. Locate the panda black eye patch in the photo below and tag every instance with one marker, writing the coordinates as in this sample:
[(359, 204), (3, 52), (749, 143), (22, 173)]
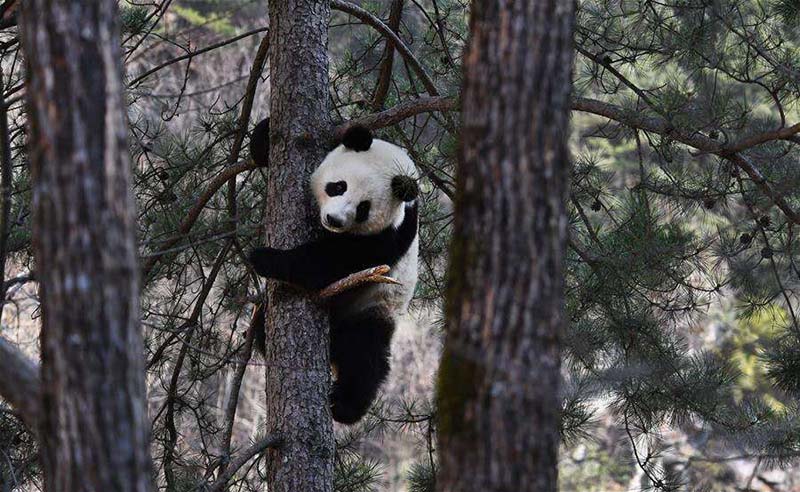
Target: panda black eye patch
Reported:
[(362, 211), (336, 189)]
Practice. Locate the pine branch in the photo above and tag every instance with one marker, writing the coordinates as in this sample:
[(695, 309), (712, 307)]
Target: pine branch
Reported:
[(386, 31), (20, 383), (695, 139), (244, 457), (400, 112), (194, 213)]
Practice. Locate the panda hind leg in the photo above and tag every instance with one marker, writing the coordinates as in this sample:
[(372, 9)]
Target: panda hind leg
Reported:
[(360, 351)]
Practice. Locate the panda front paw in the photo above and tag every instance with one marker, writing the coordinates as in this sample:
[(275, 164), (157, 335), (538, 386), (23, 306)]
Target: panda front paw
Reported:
[(265, 261)]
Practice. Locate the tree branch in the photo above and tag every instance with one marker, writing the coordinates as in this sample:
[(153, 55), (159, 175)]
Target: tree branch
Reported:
[(731, 153), (6, 183), (171, 443), (244, 119), (785, 133), (633, 119), (370, 275), (387, 61), (194, 213), (20, 384), (192, 54), (386, 31), (244, 457), (400, 112)]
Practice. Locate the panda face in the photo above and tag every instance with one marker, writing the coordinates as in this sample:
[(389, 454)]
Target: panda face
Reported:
[(354, 188)]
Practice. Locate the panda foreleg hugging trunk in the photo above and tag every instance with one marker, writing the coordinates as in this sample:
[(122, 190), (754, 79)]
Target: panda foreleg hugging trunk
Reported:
[(334, 256)]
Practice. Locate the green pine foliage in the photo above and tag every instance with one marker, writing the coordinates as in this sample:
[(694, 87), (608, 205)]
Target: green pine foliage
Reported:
[(19, 466), (422, 477)]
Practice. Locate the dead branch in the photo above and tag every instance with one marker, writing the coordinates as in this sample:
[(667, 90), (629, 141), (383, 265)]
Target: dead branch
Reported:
[(374, 275)]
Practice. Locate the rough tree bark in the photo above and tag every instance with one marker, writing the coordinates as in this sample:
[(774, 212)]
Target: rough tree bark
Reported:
[(93, 429), (296, 349), (498, 382)]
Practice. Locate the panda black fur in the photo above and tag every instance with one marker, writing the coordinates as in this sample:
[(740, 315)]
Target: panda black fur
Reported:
[(367, 193)]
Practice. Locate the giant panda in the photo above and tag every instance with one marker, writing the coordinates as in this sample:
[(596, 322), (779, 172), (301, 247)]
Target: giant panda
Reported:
[(367, 194)]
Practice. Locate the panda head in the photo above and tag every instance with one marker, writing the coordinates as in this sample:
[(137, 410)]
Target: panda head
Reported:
[(362, 186)]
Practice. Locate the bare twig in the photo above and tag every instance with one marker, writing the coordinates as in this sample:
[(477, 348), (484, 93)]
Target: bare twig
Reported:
[(194, 53)]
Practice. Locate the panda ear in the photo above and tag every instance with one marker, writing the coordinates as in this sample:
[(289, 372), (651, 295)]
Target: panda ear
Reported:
[(405, 188), (259, 143), (357, 138)]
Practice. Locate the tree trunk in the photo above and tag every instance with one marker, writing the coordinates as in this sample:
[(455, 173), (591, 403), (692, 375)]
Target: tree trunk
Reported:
[(94, 424), (296, 349), (498, 382)]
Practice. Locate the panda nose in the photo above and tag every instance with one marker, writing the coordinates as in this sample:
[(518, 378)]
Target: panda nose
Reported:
[(333, 221)]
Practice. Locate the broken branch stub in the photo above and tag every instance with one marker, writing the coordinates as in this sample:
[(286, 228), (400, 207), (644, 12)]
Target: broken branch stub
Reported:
[(374, 275)]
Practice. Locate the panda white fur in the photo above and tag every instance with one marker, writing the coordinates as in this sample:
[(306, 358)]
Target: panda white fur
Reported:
[(367, 193)]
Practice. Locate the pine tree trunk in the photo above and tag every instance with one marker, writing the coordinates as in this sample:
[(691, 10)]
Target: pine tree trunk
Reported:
[(93, 431), (498, 382), (296, 349)]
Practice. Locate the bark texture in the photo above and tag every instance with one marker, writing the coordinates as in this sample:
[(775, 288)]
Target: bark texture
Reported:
[(498, 382), (296, 349), (94, 424)]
